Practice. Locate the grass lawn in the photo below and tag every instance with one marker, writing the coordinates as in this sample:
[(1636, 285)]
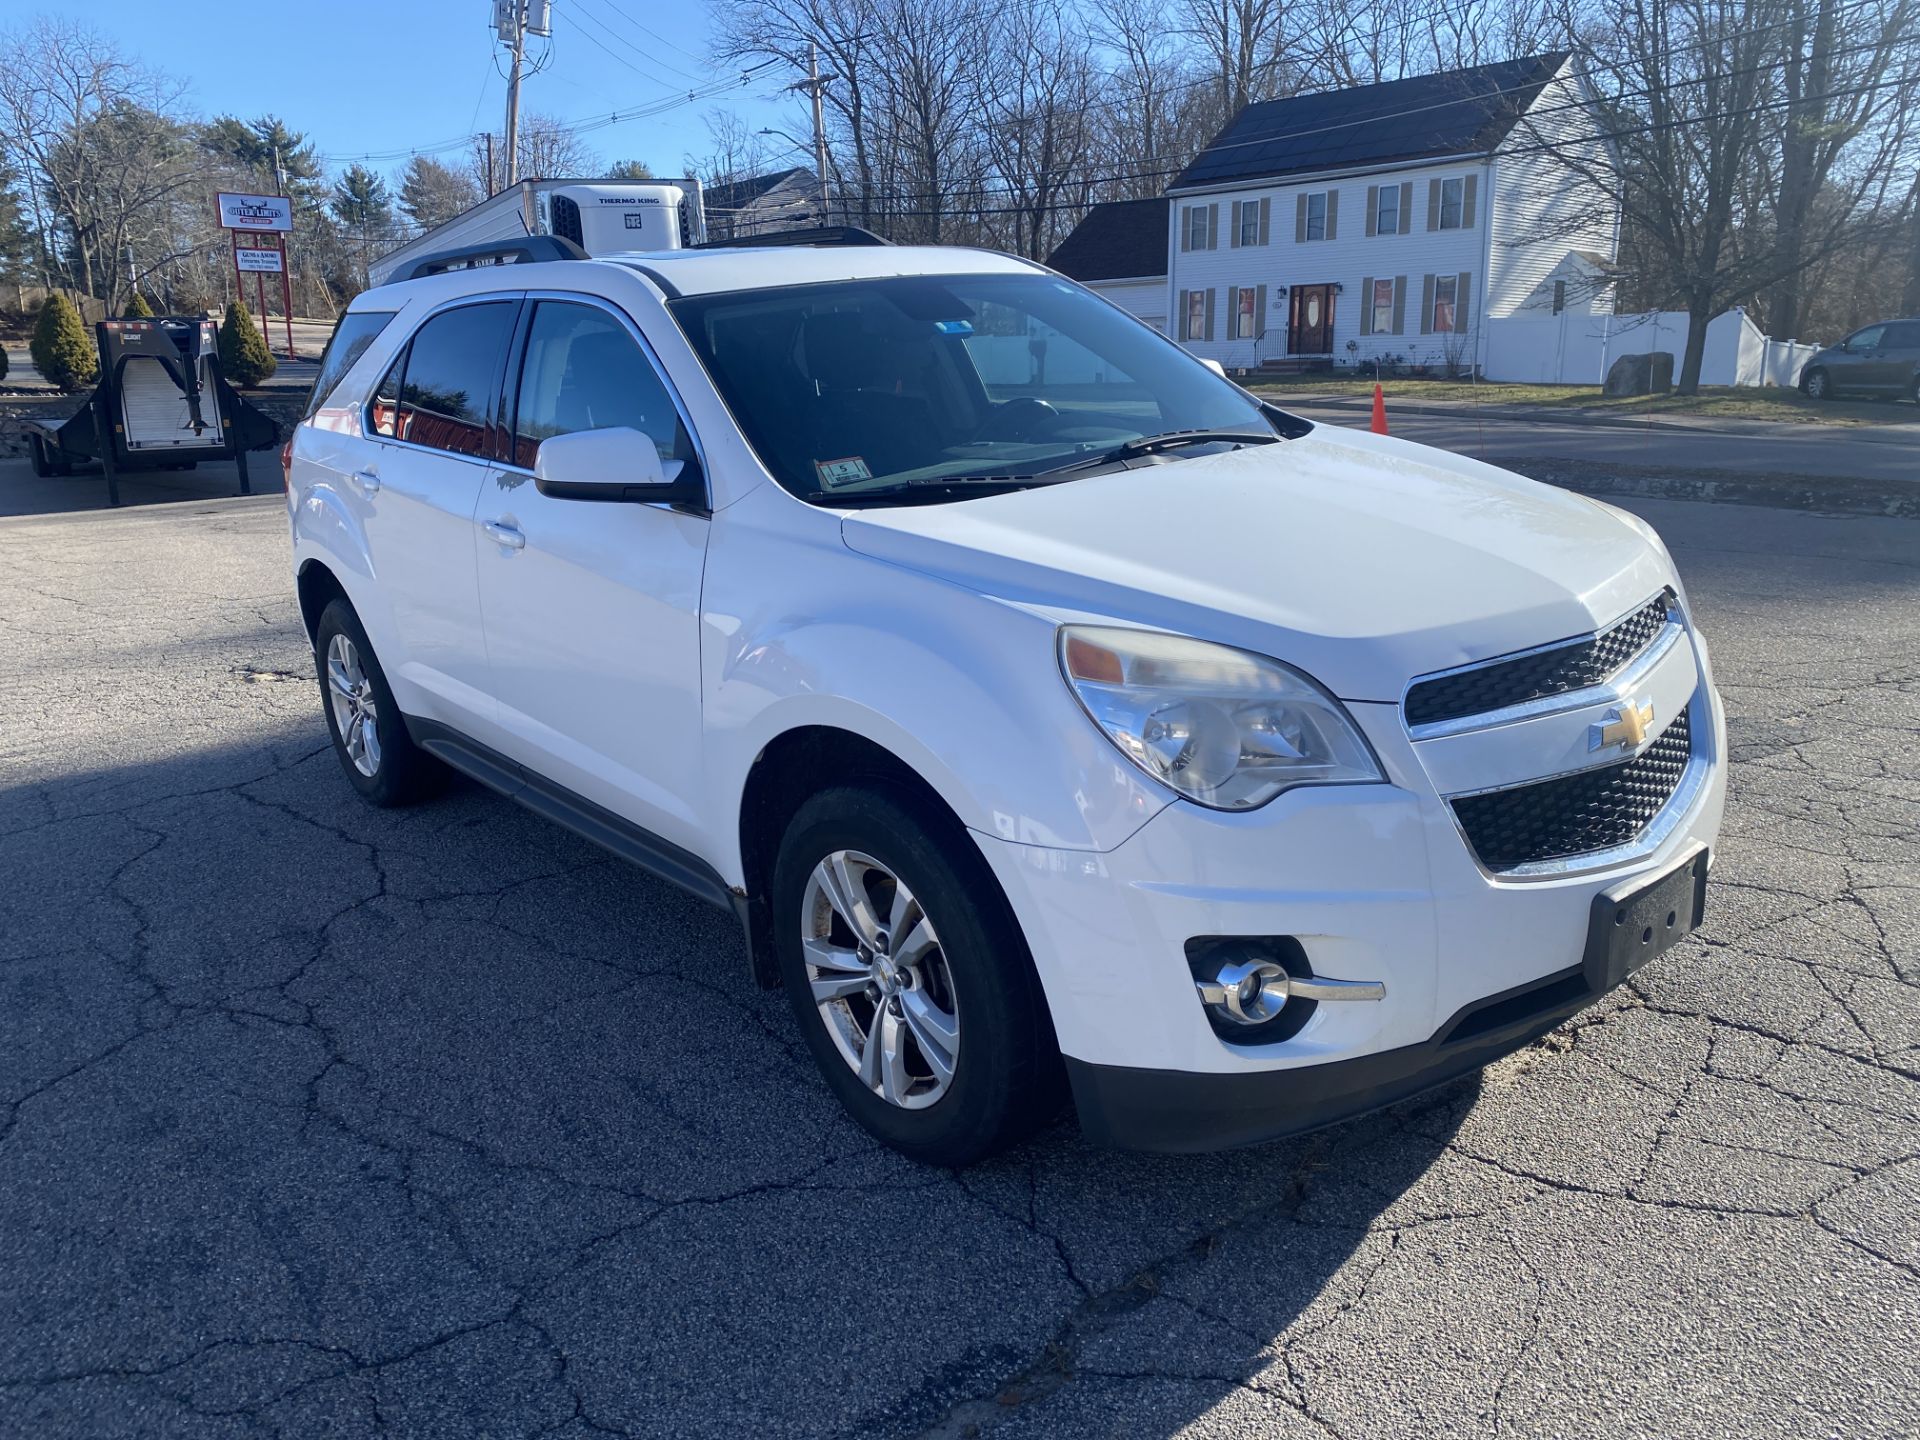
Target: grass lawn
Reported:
[(1713, 402)]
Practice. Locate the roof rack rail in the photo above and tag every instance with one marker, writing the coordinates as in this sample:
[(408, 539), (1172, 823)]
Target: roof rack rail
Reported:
[(811, 235), (524, 250)]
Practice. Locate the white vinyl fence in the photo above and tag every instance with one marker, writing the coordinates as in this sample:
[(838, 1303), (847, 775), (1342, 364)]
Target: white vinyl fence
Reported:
[(1575, 349)]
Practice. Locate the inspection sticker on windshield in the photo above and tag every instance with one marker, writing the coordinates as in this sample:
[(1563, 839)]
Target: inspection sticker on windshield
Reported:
[(954, 327), (842, 472)]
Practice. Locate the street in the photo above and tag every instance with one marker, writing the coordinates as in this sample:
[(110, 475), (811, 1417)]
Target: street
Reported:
[(318, 1119), (1883, 453)]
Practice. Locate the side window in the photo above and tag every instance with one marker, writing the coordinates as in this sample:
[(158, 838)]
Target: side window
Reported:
[(356, 331), (1452, 203), (383, 411), (1903, 337), (447, 384), (1867, 339), (583, 371)]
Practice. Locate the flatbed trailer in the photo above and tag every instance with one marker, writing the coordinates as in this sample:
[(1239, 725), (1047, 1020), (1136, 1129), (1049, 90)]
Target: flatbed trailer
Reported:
[(162, 403)]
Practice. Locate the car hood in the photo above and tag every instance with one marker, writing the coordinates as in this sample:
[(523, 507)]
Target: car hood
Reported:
[(1361, 559)]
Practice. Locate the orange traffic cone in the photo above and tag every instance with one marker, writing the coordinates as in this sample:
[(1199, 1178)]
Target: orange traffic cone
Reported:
[(1379, 410)]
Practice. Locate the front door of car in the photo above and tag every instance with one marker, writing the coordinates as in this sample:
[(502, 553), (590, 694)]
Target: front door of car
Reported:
[(592, 607), (429, 428)]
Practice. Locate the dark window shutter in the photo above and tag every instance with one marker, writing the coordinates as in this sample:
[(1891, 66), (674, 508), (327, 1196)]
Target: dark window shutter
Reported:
[(1266, 216), (1208, 333), (1461, 290), (1366, 304), (1426, 303), (1406, 209), (1233, 227), (1180, 326), (1399, 304), (1213, 226), (1373, 209), (1333, 213), (1433, 207), (1186, 229), (1466, 201), (1259, 312), (1300, 218)]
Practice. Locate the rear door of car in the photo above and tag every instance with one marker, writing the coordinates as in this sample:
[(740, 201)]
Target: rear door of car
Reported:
[(592, 608), (1862, 367), (434, 431), (1900, 354)]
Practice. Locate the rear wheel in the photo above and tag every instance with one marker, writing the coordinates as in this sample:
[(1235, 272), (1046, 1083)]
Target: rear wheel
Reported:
[(369, 733), (1816, 386), (910, 978)]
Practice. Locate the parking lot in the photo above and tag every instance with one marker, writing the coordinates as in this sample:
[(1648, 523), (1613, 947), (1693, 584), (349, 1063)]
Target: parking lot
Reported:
[(322, 1120)]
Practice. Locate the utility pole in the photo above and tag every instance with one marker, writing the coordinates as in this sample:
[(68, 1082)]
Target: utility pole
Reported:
[(519, 43), (814, 85), (492, 189)]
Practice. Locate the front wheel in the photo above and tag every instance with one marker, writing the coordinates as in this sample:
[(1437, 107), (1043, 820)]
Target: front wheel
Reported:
[(1816, 386), (910, 979)]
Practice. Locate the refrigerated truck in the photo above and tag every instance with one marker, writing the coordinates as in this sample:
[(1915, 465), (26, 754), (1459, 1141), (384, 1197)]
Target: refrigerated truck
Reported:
[(602, 217)]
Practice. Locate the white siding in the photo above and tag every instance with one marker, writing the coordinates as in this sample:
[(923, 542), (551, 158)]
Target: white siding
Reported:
[(1145, 298), (1349, 258), (1543, 208)]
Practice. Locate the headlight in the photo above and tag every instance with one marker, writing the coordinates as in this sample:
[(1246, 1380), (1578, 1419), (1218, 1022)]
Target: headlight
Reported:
[(1223, 727)]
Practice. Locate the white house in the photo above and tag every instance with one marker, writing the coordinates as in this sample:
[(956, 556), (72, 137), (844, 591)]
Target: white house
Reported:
[(1120, 249), (1388, 219)]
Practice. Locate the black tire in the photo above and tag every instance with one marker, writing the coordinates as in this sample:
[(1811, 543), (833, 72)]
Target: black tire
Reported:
[(1816, 385), (1007, 1078), (402, 772)]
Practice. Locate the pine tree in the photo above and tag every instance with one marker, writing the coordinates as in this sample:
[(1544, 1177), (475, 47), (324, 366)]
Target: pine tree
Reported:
[(137, 308), (61, 348), (244, 357)]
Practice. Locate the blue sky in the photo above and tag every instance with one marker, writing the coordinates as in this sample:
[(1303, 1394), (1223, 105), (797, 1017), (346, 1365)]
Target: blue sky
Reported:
[(373, 79)]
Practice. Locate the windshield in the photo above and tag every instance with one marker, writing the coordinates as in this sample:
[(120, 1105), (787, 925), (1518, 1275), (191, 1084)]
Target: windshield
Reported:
[(869, 387)]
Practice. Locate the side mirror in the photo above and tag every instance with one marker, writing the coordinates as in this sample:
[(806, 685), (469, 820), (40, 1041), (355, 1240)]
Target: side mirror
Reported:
[(618, 464)]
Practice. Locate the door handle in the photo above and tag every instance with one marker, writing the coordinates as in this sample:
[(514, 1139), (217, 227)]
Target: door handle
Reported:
[(367, 481), (505, 535)]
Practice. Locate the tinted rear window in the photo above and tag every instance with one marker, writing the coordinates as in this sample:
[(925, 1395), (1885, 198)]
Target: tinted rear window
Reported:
[(350, 339), (452, 369)]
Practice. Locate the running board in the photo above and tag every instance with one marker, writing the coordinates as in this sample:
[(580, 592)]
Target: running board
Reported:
[(632, 843)]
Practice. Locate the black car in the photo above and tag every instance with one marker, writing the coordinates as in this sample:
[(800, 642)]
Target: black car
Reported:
[(1881, 360)]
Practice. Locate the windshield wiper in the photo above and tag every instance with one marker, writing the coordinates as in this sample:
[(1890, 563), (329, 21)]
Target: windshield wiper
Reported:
[(929, 483), (1167, 440)]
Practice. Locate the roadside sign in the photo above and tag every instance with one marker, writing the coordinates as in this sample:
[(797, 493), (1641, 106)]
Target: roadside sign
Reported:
[(253, 261), (255, 212)]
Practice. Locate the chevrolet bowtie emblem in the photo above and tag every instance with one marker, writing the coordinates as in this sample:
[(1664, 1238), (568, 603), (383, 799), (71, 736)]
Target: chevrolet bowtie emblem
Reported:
[(1625, 726)]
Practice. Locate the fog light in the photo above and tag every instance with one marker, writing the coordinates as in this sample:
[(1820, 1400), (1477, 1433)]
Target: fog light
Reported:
[(1246, 992)]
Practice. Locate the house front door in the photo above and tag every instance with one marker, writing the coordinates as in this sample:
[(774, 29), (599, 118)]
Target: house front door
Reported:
[(1310, 331)]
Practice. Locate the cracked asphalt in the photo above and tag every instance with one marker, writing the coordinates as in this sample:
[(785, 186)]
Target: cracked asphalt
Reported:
[(316, 1120)]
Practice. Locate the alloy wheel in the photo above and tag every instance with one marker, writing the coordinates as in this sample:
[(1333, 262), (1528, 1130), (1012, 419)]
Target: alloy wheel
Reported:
[(355, 715), (1817, 385), (880, 979)]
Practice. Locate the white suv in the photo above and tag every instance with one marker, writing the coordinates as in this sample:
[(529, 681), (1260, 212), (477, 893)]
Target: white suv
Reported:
[(1048, 709)]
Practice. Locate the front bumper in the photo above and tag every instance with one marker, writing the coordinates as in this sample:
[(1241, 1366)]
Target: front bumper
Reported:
[(1186, 1111), (1376, 883)]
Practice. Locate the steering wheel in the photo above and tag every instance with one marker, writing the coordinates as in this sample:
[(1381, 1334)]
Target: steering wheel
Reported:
[(1021, 418)]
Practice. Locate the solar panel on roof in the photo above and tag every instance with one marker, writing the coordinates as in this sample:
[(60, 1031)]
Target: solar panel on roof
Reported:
[(1460, 112)]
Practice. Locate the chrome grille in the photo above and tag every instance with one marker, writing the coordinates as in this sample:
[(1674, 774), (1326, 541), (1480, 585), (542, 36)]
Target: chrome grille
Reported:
[(1577, 814), (1555, 670)]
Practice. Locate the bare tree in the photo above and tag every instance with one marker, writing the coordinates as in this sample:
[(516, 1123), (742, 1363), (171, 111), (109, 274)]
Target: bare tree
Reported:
[(1832, 52), (1034, 102)]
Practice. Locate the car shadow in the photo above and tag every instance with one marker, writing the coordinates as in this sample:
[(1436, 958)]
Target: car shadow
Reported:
[(441, 1112)]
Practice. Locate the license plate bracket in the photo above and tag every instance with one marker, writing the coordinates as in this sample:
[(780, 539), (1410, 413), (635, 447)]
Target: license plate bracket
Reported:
[(1636, 923)]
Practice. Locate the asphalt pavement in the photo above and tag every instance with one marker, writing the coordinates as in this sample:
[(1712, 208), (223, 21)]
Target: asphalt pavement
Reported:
[(1888, 453), (319, 1120)]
